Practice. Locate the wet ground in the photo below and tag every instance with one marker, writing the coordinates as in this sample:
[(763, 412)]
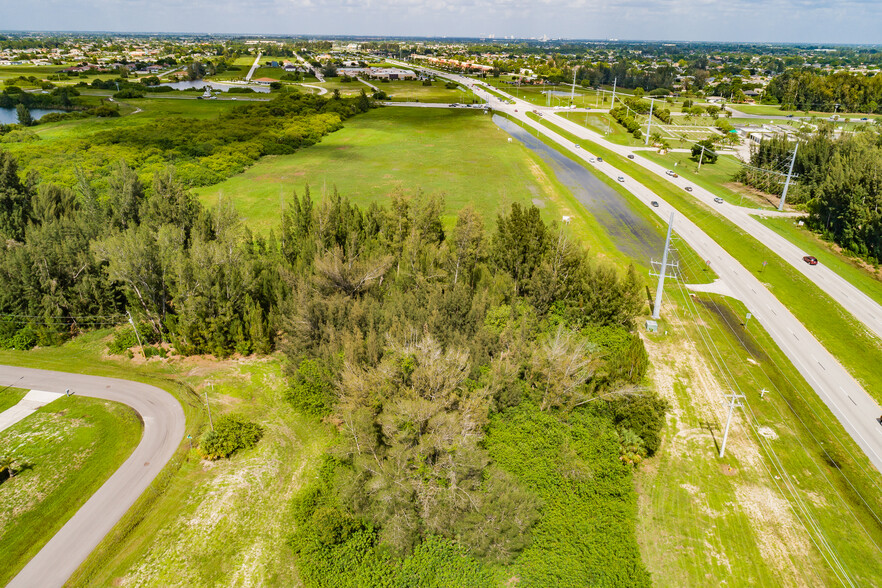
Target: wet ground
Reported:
[(632, 234)]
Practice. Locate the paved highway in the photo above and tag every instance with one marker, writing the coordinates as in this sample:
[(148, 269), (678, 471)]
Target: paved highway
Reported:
[(163, 420), (861, 306), (847, 400)]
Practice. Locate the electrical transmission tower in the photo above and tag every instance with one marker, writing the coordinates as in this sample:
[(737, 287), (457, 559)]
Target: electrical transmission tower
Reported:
[(787, 181), (663, 268)]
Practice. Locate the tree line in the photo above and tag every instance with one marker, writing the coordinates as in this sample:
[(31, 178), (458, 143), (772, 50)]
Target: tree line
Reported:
[(839, 184), (797, 89)]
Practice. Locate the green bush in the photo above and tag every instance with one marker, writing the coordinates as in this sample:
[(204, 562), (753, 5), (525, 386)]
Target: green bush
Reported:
[(230, 434), (312, 388), (25, 338)]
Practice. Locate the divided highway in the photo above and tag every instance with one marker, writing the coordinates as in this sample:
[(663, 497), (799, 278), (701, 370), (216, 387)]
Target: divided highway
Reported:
[(845, 397), (164, 422)]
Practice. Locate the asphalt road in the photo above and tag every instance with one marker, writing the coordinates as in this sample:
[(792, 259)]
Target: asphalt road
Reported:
[(163, 420), (861, 306), (847, 400)]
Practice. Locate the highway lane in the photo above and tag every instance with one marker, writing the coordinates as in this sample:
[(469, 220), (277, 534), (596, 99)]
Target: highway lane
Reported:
[(843, 395), (164, 422), (861, 306)]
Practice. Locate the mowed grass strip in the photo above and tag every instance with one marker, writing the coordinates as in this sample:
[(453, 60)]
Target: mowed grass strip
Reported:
[(72, 446), (839, 332), (9, 397)]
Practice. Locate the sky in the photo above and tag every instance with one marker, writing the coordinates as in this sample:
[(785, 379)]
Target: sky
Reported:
[(792, 21)]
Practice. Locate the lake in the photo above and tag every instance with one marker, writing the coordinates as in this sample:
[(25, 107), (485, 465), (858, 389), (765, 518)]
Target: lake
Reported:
[(10, 116), (200, 84)]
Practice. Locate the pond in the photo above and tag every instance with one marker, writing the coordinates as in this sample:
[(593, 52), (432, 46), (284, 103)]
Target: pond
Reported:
[(10, 116), (200, 84), (634, 235)]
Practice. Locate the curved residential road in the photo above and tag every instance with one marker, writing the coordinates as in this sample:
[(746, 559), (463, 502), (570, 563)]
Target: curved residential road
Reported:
[(842, 394), (164, 423)]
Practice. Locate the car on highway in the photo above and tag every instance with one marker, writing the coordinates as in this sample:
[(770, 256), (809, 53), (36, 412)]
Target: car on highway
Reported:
[(630, 156), (718, 200), (810, 259), (577, 146), (599, 160), (654, 203), (672, 173), (590, 160), (621, 179), (688, 188)]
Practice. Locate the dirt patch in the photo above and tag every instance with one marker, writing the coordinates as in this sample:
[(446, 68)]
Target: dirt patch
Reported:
[(780, 539), (538, 203), (767, 432)]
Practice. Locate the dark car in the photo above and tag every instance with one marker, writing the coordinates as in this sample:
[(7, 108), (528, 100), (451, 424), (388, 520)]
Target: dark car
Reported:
[(688, 188), (630, 156), (600, 160), (810, 259), (654, 203)]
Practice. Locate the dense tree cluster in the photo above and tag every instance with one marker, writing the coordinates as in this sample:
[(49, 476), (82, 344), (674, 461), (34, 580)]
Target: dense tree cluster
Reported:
[(204, 151), (809, 90), (411, 338), (840, 184)]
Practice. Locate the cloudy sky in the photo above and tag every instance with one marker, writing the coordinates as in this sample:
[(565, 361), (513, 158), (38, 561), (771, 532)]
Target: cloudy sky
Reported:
[(812, 21)]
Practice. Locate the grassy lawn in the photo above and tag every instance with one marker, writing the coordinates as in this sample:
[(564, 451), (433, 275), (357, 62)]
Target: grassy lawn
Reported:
[(715, 177), (793, 492), (415, 91), (459, 153), (839, 332), (72, 445), (10, 396)]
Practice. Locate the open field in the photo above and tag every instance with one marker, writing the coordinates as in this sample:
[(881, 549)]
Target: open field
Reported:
[(461, 154), (793, 502), (858, 351), (71, 446), (771, 109), (415, 91), (10, 396)]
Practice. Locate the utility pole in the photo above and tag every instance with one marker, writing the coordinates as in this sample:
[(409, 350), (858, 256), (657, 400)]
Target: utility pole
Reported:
[(700, 158), (131, 322), (573, 90), (611, 106), (663, 272), (787, 181), (649, 122), (733, 404), (208, 406)]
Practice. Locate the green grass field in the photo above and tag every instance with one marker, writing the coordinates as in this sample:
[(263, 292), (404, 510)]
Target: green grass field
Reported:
[(415, 91), (10, 396), (72, 445), (459, 153)]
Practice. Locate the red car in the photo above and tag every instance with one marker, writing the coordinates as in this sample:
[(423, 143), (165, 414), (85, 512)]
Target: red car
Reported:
[(810, 260)]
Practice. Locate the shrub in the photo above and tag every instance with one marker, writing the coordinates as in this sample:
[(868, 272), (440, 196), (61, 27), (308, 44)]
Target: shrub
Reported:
[(25, 338), (230, 434), (312, 389)]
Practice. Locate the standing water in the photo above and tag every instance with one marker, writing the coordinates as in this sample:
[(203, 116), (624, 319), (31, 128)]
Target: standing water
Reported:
[(632, 234)]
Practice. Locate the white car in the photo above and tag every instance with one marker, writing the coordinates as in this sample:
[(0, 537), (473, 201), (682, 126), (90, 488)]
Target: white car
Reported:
[(577, 145), (671, 173), (590, 160), (621, 179)]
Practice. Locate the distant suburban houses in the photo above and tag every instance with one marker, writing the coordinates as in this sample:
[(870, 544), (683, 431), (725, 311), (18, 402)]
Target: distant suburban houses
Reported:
[(377, 73)]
